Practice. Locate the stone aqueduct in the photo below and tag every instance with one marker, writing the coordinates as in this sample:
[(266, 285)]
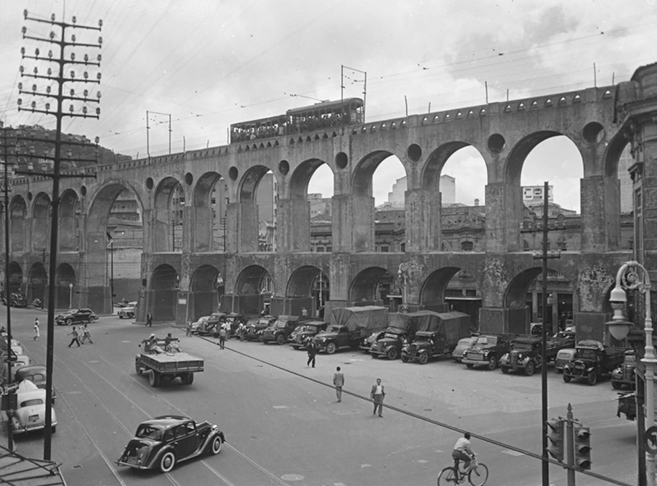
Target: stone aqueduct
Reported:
[(600, 121)]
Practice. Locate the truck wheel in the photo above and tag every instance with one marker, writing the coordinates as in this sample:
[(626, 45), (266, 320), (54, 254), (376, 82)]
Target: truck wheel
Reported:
[(138, 368), (566, 377), (167, 462), (331, 348), (423, 358), (616, 386), (492, 362), (393, 353), (154, 379), (592, 379), (187, 379), (404, 358), (530, 368), (280, 339), (504, 369)]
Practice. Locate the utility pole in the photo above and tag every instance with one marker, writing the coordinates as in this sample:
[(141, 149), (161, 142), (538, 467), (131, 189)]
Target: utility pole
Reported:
[(59, 79), (5, 147), (544, 385)]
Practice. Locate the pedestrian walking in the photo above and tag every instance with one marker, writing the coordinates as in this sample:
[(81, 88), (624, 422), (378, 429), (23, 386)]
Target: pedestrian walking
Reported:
[(86, 334), (188, 329), (222, 337), (37, 332), (377, 395), (149, 319), (312, 352), (338, 382), (76, 337)]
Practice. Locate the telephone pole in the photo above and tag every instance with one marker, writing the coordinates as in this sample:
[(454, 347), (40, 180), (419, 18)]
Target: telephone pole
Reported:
[(59, 79)]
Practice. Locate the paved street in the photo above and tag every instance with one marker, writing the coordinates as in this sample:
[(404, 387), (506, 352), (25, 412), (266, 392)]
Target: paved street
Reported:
[(282, 422)]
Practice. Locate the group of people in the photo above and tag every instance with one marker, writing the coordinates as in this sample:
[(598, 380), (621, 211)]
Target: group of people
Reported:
[(79, 337), (152, 345)]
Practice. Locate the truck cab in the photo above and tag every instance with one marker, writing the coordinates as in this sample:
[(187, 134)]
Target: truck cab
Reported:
[(424, 346), (525, 354), (592, 360)]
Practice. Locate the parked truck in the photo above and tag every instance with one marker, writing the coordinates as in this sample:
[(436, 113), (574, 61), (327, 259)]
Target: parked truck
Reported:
[(526, 354), (349, 325), (487, 350), (437, 336), (167, 366), (592, 360), (402, 327)]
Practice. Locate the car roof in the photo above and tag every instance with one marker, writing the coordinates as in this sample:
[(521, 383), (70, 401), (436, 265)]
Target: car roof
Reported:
[(167, 420), (527, 339), (30, 369)]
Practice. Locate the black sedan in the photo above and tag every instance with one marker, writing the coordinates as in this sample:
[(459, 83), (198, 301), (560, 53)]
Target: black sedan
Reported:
[(76, 316), (163, 441)]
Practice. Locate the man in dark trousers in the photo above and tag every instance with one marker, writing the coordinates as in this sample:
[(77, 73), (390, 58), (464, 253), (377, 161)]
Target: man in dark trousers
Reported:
[(76, 337), (377, 394), (312, 352), (149, 319), (338, 382)]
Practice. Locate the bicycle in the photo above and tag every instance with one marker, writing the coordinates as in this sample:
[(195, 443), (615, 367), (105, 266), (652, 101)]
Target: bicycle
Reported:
[(477, 474)]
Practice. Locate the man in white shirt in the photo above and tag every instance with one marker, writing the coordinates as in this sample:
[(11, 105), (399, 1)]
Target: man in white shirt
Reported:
[(462, 451), (377, 394)]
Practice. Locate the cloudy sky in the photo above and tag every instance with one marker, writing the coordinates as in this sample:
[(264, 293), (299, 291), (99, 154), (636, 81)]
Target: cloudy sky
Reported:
[(210, 63)]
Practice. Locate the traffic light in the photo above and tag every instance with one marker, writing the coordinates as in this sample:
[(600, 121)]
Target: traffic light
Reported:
[(555, 428), (582, 446)]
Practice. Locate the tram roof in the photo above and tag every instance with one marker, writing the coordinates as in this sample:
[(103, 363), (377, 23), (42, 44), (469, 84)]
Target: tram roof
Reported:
[(324, 105)]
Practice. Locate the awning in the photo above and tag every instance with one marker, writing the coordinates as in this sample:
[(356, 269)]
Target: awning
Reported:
[(23, 471)]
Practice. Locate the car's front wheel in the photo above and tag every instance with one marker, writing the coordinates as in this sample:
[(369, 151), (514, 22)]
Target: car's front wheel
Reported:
[(423, 358), (280, 339), (566, 377), (492, 362), (393, 353), (69, 321), (592, 379), (530, 368), (331, 348), (216, 445), (167, 462)]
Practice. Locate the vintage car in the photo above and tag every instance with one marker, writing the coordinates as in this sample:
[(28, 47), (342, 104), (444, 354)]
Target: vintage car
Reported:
[(234, 320), (36, 374), (76, 316), (208, 326), (162, 442), (564, 356), (464, 345), (526, 353), (488, 350), (31, 412), (256, 326), (624, 375), (128, 311), (198, 324), (303, 332)]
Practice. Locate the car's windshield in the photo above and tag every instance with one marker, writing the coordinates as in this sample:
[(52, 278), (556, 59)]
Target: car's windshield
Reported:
[(390, 335), (586, 353), (522, 346), (487, 340), (73, 311), (32, 403), (149, 432), (334, 329), (305, 329)]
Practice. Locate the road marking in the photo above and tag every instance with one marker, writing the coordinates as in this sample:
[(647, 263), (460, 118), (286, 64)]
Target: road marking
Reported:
[(292, 477), (365, 465), (280, 407)]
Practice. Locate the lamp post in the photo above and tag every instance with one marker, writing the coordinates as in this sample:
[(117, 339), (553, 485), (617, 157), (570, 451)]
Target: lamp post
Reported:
[(70, 296), (634, 276)]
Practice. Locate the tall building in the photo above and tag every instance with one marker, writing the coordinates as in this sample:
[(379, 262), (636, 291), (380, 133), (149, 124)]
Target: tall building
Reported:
[(396, 197)]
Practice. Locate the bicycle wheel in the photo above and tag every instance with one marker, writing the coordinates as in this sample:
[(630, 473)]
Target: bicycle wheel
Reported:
[(479, 475), (447, 476)]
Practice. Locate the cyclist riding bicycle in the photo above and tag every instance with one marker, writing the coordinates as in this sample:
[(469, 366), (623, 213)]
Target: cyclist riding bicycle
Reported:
[(463, 452)]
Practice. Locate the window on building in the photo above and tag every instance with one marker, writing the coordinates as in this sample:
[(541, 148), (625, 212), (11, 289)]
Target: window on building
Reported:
[(329, 249), (320, 249), (385, 248), (467, 246)]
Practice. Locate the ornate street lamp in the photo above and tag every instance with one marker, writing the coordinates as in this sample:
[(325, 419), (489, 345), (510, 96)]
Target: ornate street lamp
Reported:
[(633, 276)]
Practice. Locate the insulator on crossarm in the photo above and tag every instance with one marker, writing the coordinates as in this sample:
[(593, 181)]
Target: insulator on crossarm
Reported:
[(84, 110), (70, 108), (36, 70), (72, 92), (48, 89), (73, 55), (98, 76), (73, 38), (34, 87), (52, 18), (86, 75), (47, 106), (21, 69), (72, 74), (99, 57), (24, 30), (22, 52), (98, 111), (85, 93), (20, 86), (36, 51), (50, 54), (52, 35), (86, 58), (100, 22), (20, 101), (33, 105), (74, 19), (25, 13), (100, 40), (98, 94)]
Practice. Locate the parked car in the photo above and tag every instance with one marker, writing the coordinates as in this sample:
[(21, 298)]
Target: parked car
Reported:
[(564, 356), (128, 312), (303, 332), (464, 345), (234, 320), (211, 325), (37, 375), (162, 442), (199, 324), (76, 316), (31, 412), (488, 350), (256, 326)]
